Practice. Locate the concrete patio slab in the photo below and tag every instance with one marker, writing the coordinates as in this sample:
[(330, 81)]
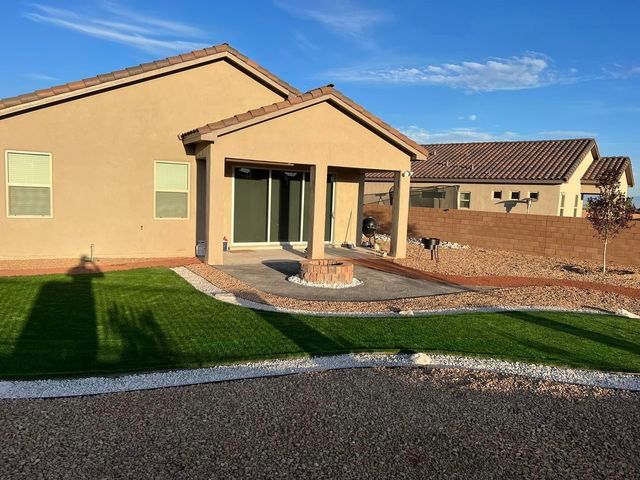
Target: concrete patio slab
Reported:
[(267, 270)]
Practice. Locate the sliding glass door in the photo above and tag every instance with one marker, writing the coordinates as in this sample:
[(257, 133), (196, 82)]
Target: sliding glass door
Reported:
[(286, 206), (272, 206), (250, 205)]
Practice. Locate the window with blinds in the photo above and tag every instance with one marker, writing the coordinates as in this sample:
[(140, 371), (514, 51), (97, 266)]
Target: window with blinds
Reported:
[(465, 199), (28, 184), (171, 190)]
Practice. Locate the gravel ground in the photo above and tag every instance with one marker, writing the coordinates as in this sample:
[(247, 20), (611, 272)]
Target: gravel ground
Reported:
[(55, 263), (562, 297), (76, 387), (372, 423), (474, 261)]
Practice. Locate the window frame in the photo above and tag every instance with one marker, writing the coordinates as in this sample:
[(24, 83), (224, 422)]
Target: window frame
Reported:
[(575, 205), (7, 184), (188, 191), (460, 200), (562, 202), (493, 194), (511, 192), (537, 195)]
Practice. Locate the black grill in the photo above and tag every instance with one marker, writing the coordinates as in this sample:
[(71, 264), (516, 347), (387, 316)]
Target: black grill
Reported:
[(369, 227)]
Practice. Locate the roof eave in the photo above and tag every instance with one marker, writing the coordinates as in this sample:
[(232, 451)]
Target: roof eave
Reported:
[(592, 146), (230, 55), (629, 172), (473, 180)]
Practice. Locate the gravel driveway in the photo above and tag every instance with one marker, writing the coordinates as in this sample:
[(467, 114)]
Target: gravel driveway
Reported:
[(372, 423)]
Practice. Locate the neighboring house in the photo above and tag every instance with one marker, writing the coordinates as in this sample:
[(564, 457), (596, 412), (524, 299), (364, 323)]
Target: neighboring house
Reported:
[(111, 162), (546, 177)]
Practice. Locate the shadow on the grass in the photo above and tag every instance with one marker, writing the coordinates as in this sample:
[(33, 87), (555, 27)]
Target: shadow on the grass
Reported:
[(61, 334), (307, 338)]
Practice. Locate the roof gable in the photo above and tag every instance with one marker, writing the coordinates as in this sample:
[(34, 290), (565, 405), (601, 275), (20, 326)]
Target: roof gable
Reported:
[(141, 72), (295, 102), (605, 165)]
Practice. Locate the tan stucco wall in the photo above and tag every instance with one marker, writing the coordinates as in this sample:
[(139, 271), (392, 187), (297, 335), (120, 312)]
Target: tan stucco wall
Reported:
[(318, 134), (574, 187), (624, 185), (103, 148), (346, 226), (593, 189), (482, 195)]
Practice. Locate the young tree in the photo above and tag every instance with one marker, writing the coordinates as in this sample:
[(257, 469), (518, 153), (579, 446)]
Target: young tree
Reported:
[(609, 213)]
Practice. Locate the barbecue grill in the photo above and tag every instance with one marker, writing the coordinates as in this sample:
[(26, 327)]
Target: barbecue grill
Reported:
[(369, 228), (432, 244)]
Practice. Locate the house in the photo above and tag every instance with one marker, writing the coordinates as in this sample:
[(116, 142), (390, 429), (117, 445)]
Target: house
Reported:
[(546, 177), (207, 146)]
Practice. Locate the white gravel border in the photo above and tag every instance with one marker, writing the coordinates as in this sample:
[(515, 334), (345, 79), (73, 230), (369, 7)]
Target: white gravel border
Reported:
[(299, 281), (208, 288), (23, 389)]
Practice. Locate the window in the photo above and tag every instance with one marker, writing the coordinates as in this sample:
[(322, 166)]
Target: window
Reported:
[(28, 184), (465, 199), (534, 195), (515, 195), (497, 194), (575, 206), (562, 204), (171, 190)]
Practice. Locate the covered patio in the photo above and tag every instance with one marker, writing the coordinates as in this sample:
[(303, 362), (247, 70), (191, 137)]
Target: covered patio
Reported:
[(291, 174)]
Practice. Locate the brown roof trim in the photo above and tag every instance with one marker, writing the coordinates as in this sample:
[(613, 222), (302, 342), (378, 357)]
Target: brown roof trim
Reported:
[(139, 72), (603, 165), (295, 102)]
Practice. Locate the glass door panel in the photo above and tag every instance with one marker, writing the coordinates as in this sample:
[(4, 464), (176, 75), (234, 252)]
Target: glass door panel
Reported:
[(286, 206), (251, 199)]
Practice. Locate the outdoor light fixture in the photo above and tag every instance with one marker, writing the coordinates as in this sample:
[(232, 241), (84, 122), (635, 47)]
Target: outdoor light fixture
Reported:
[(407, 173)]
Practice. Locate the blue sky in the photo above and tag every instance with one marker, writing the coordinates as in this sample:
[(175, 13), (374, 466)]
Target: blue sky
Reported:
[(440, 71)]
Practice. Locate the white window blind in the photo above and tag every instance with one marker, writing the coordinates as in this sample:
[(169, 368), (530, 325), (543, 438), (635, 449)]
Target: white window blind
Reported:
[(171, 190), (28, 184)]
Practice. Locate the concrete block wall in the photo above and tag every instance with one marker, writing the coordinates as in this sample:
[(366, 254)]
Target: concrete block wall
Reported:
[(533, 234)]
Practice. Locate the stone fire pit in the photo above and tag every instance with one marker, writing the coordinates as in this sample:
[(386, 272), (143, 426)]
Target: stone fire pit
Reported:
[(326, 273)]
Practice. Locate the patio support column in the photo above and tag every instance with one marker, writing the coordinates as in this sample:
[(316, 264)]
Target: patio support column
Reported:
[(317, 211), (400, 221), (214, 206), (358, 232)]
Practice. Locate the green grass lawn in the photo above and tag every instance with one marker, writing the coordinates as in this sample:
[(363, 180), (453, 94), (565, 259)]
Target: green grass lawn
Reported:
[(151, 319)]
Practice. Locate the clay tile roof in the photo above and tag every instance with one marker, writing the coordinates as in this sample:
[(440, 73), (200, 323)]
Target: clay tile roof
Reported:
[(137, 70), (608, 165), (306, 97), (540, 160)]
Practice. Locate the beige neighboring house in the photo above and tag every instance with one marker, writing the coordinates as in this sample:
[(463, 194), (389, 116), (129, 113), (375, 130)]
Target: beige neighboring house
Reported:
[(150, 160), (546, 177)]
